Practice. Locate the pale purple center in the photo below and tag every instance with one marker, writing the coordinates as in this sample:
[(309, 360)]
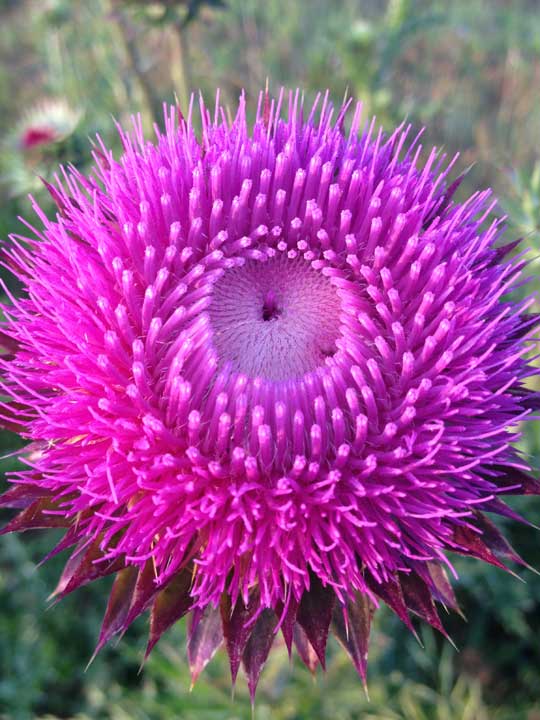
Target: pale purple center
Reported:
[(276, 320)]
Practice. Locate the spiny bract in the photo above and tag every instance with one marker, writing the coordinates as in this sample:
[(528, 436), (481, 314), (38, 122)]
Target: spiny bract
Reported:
[(270, 376)]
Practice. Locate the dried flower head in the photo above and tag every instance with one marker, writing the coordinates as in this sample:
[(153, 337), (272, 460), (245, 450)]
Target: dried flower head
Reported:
[(270, 376)]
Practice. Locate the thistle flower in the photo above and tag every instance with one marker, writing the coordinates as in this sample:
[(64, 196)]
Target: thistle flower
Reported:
[(270, 378), (35, 145), (48, 122)]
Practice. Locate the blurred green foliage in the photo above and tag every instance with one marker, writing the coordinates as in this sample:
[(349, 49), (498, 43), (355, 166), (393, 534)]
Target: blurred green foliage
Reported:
[(468, 71)]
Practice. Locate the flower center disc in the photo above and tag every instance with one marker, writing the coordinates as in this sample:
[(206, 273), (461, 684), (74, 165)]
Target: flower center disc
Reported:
[(276, 320)]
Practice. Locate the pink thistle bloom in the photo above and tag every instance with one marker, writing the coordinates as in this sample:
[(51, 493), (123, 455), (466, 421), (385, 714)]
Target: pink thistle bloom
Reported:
[(271, 377), (48, 122)]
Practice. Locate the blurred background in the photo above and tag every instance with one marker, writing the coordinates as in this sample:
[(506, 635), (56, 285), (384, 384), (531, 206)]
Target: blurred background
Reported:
[(469, 71)]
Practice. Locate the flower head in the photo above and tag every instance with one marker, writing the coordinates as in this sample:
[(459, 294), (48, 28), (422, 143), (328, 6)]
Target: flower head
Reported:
[(271, 377), (34, 146), (46, 123)]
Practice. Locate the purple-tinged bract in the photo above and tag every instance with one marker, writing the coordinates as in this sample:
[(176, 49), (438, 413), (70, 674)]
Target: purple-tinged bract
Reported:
[(271, 376)]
